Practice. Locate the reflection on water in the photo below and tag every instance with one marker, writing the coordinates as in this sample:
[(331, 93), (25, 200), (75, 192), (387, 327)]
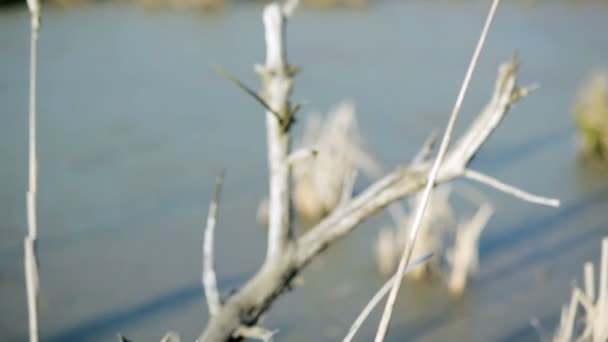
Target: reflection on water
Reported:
[(134, 126)]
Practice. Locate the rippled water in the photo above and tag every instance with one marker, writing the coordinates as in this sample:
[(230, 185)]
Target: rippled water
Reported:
[(134, 125)]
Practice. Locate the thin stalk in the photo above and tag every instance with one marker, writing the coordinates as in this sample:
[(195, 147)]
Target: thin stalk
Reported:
[(30, 258), (407, 253)]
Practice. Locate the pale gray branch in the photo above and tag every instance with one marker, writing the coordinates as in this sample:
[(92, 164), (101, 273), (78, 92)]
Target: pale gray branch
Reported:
[(286, 256), (506, 93), (277, 83), (509, 189), (258, 294), (209, 277)]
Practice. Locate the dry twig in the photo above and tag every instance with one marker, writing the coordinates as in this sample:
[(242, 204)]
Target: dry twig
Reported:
[(209, 279)]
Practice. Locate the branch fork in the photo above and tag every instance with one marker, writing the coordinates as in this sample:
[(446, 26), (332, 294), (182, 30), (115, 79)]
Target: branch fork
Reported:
[(288, 255)]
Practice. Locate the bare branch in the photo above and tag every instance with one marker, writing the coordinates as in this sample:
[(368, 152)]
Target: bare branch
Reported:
[(277, 82), (286, 256), (258, 293), (249, 91), (386, 316), (509, 189), (209, 278), (506, 93), (378, 297)]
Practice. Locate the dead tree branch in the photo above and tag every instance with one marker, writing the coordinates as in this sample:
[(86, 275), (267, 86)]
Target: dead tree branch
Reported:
[(277, 82), (274, 278), (209, 278), (286, 255), (509, 189)]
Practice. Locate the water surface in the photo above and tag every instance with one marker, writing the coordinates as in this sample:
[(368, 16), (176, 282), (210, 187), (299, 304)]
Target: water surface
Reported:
[(134, 125)]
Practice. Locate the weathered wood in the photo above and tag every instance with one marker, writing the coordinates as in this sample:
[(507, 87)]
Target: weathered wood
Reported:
[(286, 255), (32, 281), (277, 84)]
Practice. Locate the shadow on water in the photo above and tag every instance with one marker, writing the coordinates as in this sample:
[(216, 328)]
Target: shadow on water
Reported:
[(166, 204), (186, 199), (493, 160), (113, 322), (540, 254), (538, 225), (524, 231), (418, 329)]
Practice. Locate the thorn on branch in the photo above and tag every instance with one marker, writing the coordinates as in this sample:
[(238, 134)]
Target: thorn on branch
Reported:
[(293, 70), (295, 109), (250, 92), (427, 147)]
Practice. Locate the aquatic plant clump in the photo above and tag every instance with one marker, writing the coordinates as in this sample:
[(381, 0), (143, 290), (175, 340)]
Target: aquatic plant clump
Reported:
[(591, 115)]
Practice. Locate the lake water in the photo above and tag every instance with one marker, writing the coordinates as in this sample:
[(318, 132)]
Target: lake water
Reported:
[(134, 125)]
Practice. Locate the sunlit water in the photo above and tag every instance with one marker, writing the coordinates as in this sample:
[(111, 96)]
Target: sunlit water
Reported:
[(134, 125)]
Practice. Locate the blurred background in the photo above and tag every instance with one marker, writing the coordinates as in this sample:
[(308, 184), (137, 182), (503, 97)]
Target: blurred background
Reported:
[(134, 125)]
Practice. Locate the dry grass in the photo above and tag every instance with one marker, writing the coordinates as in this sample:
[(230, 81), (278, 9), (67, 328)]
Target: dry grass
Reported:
[(321, 182), (590, 323), (441, 234)]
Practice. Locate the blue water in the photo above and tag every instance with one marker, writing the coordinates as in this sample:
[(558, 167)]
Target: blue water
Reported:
[(134, 125)]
